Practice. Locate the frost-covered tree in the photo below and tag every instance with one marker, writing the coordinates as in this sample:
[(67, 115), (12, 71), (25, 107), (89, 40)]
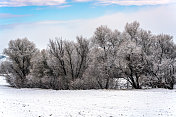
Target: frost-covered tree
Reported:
[(105, 44), (77, 60), (68, 60), (154, 63), (82, 56), (20, 53), (57, 64), (132, 61), (163, 59), (41, 74), (137, 55)]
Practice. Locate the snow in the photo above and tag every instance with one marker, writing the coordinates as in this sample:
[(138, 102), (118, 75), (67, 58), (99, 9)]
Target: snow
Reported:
[(86, 103)]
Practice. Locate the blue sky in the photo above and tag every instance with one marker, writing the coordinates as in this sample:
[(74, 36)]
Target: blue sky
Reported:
[(67, 11), (40, 20)]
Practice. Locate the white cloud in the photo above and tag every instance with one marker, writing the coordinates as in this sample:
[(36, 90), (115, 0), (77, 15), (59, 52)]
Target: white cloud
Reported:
[(63, 6), (82, 0), (7, 15), (158, 20), (17, 3), (130, 2), (136, 2)]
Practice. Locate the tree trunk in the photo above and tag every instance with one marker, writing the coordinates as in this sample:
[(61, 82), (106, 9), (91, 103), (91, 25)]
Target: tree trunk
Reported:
[(107, 83)]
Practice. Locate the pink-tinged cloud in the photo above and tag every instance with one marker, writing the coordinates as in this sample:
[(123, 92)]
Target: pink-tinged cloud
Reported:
[(18, 3)]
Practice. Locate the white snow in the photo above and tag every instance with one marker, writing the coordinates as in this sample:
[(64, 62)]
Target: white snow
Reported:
[(86, 103)]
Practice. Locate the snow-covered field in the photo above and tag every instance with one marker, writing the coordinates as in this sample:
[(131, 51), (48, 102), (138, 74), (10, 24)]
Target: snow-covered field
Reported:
[(86, 103)]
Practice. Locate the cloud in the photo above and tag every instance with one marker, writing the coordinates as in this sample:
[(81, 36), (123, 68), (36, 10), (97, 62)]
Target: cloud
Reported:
[(18, 3), (136, 2), (129, 2), (82, 0), (64, 6), (7, 15), (160, 19)]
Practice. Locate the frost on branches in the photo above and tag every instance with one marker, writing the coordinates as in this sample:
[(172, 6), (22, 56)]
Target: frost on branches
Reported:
[(101, 62)]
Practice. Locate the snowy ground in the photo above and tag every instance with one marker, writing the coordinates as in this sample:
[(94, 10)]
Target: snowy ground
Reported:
[(88, 103)]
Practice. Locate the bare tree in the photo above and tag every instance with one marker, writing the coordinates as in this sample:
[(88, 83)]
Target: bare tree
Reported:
[(82, 50), (57, 63), (70, 60)]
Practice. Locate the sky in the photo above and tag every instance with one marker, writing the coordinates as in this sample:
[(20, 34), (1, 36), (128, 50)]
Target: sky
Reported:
[(41, 20)]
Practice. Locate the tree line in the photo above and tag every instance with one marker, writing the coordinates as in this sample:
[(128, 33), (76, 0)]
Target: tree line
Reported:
[(142, 58)]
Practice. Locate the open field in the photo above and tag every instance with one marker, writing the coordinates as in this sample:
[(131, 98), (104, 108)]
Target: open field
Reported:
[(86, 103)]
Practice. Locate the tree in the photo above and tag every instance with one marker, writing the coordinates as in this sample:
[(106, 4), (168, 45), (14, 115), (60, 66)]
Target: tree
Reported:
[(82, 56), (131, 63), (57, 64), (20, 53), (106, 43), (41, 73), (69, 60), (155, 67), (163, 59), (133, 55), (137, 55)]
